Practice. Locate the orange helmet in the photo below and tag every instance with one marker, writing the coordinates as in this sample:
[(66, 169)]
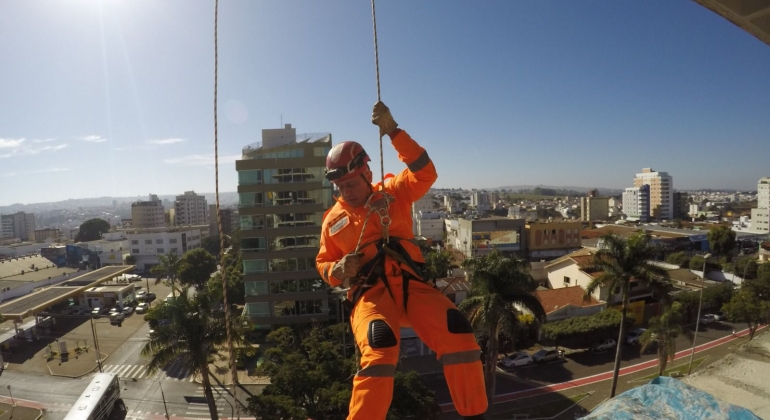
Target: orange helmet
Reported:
[(345, 161)]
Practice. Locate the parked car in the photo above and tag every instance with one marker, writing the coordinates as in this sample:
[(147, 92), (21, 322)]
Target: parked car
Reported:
[(707, 319), (141, 293), (545, 355), (82, 311), (718, 316), (603, 345), (149, 297), (114, 310), (117, 317), (517, 359), (128, 310), (633, 336), (96, 311), (142, 307)]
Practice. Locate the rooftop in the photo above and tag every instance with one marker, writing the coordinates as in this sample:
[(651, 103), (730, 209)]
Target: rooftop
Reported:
[(555, 299), (33, 267)]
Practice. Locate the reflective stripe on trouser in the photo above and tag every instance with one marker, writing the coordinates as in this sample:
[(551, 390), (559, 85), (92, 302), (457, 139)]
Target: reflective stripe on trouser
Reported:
[(427, 315)]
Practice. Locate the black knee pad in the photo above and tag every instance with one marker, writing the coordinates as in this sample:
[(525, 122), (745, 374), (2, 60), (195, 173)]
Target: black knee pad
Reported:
[(457, 323), (380, 335)]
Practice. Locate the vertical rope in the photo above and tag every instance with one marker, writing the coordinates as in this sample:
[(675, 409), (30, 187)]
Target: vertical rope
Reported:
[(377, 69), (223, 271)]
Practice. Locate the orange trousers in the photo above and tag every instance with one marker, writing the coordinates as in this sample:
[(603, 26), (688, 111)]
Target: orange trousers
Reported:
[(376, 319)]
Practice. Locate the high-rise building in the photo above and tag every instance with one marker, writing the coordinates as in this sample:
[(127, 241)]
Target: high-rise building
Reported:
[(661, 192), (148, 214), (18, 225), (283, 194), (230, 220), (760, 216), (191, 209), (681, 205), (636, 203), (593, 207)]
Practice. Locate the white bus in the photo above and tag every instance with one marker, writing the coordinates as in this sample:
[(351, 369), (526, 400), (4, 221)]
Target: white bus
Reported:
[(98, 400)]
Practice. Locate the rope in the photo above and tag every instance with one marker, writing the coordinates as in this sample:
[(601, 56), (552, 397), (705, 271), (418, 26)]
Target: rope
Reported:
[(377, 69), (230, 350)]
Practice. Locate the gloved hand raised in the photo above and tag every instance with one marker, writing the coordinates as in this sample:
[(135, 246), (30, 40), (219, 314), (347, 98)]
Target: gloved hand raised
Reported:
[(347, 268), (382, 118)]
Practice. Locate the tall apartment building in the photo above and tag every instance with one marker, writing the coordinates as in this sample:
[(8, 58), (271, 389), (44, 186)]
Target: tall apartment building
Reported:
[(148, 214), (681, 205), (18, 225), (760, 216), (480, 200), (636, 203), (191, 209), (230, 220), (661, 192), (593, 207), (283, 194)]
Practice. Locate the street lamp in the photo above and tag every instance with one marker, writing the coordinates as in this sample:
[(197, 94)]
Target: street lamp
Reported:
[(700, 303), (9, 393)]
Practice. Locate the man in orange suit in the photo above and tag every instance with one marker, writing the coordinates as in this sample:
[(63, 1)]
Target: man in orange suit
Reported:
[(367, 245)]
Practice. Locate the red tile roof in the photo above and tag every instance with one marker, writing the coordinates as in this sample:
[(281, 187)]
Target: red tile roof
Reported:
[(555, 299)]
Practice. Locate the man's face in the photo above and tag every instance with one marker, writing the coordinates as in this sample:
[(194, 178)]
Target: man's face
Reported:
[(355, 190)]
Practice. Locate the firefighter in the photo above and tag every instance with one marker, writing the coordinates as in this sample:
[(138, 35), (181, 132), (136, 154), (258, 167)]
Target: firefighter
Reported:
[(384, 277)]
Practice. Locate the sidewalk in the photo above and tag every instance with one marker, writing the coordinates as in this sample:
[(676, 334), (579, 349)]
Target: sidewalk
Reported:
[(19, 412)]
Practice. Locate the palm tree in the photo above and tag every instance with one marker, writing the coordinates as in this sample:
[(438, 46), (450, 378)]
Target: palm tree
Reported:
[(664, 330), (620, 261), (498, 285), (192, 335), (167, 268), (437, 264)]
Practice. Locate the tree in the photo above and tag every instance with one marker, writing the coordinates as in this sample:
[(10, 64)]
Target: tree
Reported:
[(746, 268), (196, 267), (713, 297), (621, 261), (581, 331), (191, 336), (696, 263), (437, 264), (167, 268), (92, 230), (212, 244), (721, 239), (663, 331), (747, 306), (236, 291), (498, 285), (130, 260), (679, 258)]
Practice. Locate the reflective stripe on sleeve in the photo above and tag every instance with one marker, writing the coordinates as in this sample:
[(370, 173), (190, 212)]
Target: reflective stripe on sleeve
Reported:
[(420, 162), (377, 371), (461, 357)]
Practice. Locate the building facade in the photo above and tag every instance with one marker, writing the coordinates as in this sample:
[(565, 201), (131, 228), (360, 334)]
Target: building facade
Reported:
[(191, 209), (146, 244), (18, 225), (479, 237), (760, 216), (661, 192), (430, 225), (43, 234), (681, 205), (594, 208), (548, 240), (230, 220), (148, 214), (283, 194), (636, 203)]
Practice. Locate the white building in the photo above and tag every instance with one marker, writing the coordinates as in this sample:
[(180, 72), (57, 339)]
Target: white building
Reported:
[(18, 225), (636, 203), (430, 225), (760, 216), (480, 201), (661, 192), (425, 203), (146, 244), (191, 209)]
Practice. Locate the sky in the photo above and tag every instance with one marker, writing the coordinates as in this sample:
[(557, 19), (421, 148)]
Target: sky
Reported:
[(116, 98)]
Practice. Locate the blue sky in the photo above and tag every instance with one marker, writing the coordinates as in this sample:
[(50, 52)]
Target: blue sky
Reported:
[(116, 97)]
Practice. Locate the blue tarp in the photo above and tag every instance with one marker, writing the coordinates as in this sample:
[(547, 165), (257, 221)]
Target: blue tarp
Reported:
[(667, 398)]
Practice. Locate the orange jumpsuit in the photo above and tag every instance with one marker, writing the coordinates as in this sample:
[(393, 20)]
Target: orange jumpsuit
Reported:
[(380, 311)]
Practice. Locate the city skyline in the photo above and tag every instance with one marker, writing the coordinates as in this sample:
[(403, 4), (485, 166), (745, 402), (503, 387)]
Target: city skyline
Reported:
[(116, 98)]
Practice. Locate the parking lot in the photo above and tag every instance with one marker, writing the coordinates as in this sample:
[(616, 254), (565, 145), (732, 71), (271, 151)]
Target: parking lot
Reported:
[(77, 333)]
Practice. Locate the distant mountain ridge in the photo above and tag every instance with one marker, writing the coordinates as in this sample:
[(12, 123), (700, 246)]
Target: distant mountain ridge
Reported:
[(225, 199), (602, 191)]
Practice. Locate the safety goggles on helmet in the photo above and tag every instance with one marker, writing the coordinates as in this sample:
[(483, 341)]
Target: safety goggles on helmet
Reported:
[(353, 167)]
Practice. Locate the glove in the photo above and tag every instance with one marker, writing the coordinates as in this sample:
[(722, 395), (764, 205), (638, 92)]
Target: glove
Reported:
[(381, 117), (347, 268)]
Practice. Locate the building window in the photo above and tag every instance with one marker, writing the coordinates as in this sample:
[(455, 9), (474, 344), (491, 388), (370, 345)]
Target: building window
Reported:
[(160, 251), (134, 251), (278, 265), (566, 281), (172, 241), (134, 242), (148, 241), (256, 288), (253, 244), (174, 250), (298, 307), (254, 266), (250, 177), (258, 309), (159, 241)]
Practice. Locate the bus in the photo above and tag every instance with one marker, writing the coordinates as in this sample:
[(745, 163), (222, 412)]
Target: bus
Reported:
[(98, 400)]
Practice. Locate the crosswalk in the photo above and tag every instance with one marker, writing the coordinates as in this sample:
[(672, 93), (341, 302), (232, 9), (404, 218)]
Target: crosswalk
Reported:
[(174, 371), (200, 409)]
